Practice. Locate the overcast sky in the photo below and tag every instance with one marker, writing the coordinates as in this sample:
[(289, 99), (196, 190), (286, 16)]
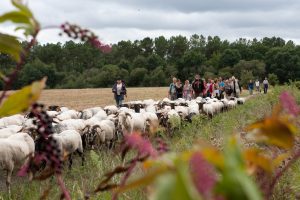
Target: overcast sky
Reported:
[(115, 20)]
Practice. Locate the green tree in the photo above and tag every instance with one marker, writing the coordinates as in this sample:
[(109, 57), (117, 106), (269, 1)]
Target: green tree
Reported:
[(229, 57), (273, 79), (36, 71), (137, 76), (161, 46), (246, 76)]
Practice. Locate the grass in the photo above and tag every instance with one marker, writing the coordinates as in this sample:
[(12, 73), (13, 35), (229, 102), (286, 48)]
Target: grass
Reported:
[(81, 180)]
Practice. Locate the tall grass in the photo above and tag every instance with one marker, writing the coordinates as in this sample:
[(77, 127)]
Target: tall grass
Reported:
[(81, 180)]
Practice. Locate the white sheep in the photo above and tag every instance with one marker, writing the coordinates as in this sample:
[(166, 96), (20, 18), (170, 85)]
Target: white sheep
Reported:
[(103, 133), (69, 114), (112, 109), (12, 120), (69, 142), (7, 132), (15, 151), (152, 122), (52, 114), (208, 109), (130, 122), (70, 124)]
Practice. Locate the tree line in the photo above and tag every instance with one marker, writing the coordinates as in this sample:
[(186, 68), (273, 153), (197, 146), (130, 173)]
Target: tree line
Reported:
[(152, 62)]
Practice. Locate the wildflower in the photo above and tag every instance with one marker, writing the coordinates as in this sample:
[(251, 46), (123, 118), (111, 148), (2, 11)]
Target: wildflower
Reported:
[(203, 175), (142, 145), (289, 103)]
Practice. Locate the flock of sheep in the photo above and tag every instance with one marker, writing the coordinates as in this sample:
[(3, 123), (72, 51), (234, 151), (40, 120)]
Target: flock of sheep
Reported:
[(76, 131)]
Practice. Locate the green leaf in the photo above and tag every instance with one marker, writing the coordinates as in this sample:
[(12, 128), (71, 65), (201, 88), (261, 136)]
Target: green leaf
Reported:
[(235, 182), (16, 17), (19, 4), (10, 45), (22, 99), (175, 186)]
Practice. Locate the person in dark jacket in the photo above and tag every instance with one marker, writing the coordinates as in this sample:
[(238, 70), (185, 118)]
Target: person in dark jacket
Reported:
[(198, 86), (179, 89), (119, 90), (250, 87)]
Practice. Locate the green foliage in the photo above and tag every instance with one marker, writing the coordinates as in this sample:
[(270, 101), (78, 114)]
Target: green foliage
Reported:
[(178, 56), (273, 79), (230, 57), (246, 77)]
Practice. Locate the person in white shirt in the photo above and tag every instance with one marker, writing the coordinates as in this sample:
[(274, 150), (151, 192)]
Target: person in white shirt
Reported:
[(257, 85), (266, 85), (119, 90)]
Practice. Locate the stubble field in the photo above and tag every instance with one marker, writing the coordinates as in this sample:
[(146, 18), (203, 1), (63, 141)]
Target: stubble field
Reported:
[(85, 98)]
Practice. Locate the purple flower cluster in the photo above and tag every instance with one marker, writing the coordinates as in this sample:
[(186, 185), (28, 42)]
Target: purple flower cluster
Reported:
[(142, 145), (203, 175), (85, 35), (289, 103)]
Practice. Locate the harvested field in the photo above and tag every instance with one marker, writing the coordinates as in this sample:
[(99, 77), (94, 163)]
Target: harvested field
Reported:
[(85, 98)]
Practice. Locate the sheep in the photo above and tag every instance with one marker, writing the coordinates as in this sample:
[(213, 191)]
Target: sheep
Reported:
[(54, 108), (241, 100), (104, 133), (52, 114), (182, 111), (111, 109), (150, 108), (90, 112), (232, 102), (12, 120), (129, 122), (64, 109), (70, 124), (152, 122), (208, 109), (7, 132), (69, 114), (69, 142), (15, 151)]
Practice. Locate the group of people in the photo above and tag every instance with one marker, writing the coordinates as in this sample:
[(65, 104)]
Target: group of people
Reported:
[(200, 87), (258, 85), (217, 88)]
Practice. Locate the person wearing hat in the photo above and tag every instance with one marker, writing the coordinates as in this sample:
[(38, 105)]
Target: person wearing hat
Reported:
[(119, 90)]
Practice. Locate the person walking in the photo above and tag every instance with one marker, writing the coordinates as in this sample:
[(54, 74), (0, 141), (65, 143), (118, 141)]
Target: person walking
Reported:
[(187, 90), (172, 90), (228, 90), (266, 85), (221, 87), (119, 90), (209, 88), (237, 89), (257, 85), (179, 89), (216, 88), (198, 86), (251, 87)]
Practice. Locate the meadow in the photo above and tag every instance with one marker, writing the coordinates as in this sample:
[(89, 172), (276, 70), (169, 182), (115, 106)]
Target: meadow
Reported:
[(86, 98)]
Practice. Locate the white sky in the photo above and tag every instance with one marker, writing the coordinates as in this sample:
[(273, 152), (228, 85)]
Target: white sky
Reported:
[(116, 20)]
